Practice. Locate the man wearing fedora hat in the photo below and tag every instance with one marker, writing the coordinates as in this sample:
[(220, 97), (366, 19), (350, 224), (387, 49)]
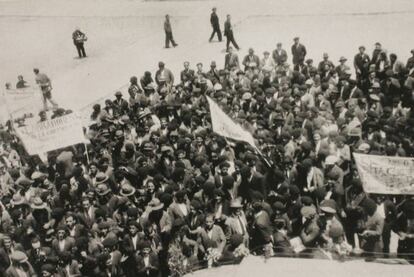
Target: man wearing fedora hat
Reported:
[(342, 69), (236, 223), (154, 214)]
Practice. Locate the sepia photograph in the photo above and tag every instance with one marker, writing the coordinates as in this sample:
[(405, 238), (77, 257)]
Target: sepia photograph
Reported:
[(206, 138)]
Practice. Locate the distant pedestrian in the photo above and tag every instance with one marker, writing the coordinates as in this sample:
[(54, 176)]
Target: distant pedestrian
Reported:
[(214, 20), (228, 32), (168, 33), (79, 39), (46, 86)]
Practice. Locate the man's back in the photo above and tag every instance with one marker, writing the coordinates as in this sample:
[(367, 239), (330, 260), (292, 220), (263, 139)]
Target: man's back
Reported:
[(42, 79)]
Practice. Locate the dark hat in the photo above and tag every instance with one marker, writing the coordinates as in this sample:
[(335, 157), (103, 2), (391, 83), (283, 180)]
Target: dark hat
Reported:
[(109, 242), (205, 169), (228, 181), (196, 204), (307, 201), (328, 206), (369, 206), (118, 93), (278, 206), (48, 268)]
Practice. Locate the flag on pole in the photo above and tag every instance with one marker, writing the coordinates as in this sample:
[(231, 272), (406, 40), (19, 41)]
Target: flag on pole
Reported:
[(226, 127)]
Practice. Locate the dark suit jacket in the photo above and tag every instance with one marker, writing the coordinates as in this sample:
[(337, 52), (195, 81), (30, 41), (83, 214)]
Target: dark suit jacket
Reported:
[(128, 245), (261, 230), (231, 60), (69, 243), (187, 75), (299, 53), (214, 20), (247, 59), (228, 29), (279, 58), (152, 270)]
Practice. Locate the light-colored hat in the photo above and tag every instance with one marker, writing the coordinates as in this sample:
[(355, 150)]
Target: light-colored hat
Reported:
[(101, 178), (308, 211), (236, 204), (330, 160), (38, 204), (127, 190)]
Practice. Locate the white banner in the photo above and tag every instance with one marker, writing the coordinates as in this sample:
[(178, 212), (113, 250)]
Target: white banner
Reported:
[(23, 101), (52, 134), (386, 175), (225, 126)]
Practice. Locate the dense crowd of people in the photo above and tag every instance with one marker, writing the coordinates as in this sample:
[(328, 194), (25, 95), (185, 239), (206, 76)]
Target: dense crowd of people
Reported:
[(157, 192)]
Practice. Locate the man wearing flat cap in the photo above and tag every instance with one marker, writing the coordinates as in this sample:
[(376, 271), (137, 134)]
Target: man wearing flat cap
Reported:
[(298, 52), (279, 55), (361, 64), (214, 20), (228, 32)]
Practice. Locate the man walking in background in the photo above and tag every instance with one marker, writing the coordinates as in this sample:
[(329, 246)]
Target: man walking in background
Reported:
[(46, 86), (228, 32), (78, 39), (168, 33), (214, 20)]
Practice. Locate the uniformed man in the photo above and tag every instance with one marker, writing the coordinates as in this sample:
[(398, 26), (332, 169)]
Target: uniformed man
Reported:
[(168, 33), (78, 39), (214, 20)]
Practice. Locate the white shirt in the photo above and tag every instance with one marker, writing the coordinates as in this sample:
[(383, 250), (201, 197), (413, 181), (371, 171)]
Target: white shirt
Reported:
[(134, 241), (62, 245), (183, 208), (146, 261)]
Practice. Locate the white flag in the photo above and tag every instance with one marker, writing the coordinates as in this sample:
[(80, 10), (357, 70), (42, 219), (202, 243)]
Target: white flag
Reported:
[(225, 126), (23, 101)]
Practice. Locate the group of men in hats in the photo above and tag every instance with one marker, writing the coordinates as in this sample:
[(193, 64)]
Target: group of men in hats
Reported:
[(160, 193)]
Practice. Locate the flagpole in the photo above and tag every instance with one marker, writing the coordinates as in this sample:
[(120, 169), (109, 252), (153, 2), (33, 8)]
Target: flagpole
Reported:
[(87, 154)]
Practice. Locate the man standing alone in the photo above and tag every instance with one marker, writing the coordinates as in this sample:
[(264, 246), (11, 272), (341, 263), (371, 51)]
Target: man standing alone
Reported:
[(78, 39), (168, 33), (46, 86), (298, 52), (228, 32), (214, 20)]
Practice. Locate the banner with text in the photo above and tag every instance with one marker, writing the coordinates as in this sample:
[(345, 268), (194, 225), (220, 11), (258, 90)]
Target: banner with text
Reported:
[(52, 134), (23, 101), (386, 175), (225, 126)]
